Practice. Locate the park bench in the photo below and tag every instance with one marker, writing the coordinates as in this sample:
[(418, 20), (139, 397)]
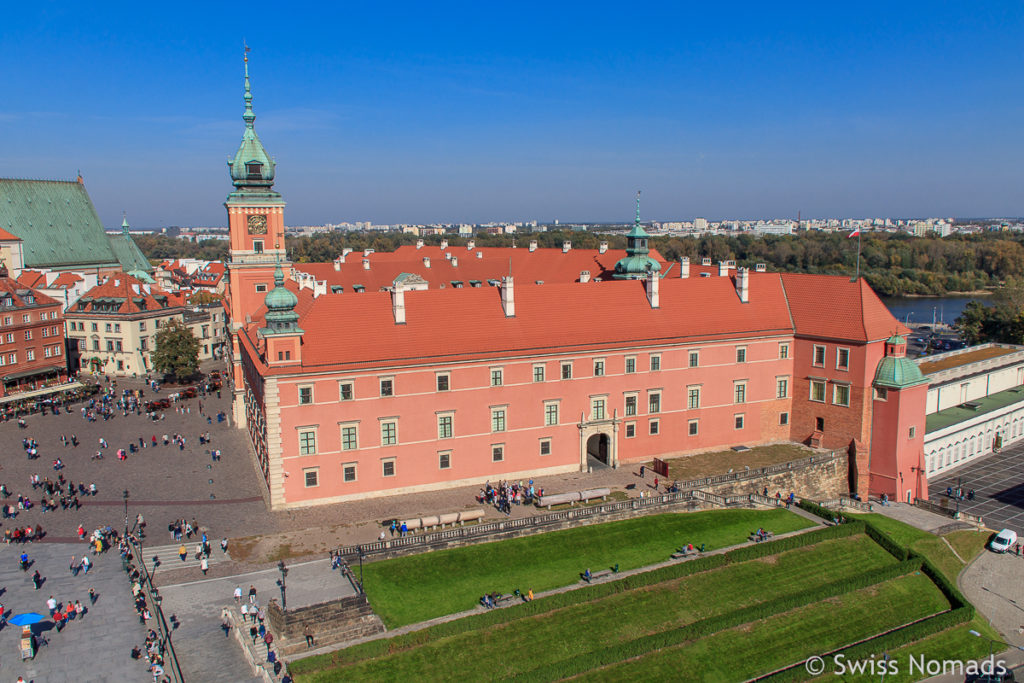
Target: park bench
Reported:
[(767, 536), (685, 551), (588, 577)]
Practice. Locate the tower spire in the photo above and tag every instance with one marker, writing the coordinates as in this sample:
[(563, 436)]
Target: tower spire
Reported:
[(124, 222), (637, 221), (248, 116)]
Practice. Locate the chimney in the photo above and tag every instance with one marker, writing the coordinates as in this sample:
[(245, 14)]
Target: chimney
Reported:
[(471, 245), (705, 261), (684, 267), (419, 244), (508, 302), (723, 269), (455, 261), (398, 304), (444, 244), (366, 264), (566, 246), (743, 284), (761, 268), (651, 285), (345, 252), (448, 255), (533, 246), (426, 261), (319, 288), (367, 252), (584, 276), (603, 247)]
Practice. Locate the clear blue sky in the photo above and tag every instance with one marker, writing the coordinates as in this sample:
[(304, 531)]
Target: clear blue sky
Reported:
[(418, 112)]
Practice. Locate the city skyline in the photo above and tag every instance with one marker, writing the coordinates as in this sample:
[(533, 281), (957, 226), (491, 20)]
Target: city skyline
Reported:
[(489, 114)]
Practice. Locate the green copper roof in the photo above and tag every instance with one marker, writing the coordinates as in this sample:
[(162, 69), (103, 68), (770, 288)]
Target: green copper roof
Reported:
[(898, 373), (56, 222), (128, 253), (977, 407), (637, 262), (252, 167), (280, 302)]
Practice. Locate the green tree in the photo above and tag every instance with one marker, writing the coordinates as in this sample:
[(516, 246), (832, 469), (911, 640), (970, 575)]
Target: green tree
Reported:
[(177, 350)]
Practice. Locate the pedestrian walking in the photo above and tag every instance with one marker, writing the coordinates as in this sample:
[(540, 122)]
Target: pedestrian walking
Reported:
[(643, 470), (92, 596), (238, 594), (308, 632), (37, 580), (204, 565)]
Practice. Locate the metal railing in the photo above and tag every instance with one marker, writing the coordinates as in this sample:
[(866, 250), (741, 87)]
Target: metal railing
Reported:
[(154, 598), (846, 502), (955, 514), (816, 459)]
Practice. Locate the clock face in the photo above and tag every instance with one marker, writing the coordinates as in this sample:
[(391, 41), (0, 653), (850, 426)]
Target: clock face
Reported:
[(257, 225)]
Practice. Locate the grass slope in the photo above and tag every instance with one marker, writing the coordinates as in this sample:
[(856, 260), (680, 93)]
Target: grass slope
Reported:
[(759, 647), (410, 589), (554, 635)]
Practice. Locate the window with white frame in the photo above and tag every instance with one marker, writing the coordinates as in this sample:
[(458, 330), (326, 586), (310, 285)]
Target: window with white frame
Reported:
[(545, 446), (654, 402), (631, 404), (631, 366), (599, 367), (387, 386), (311, 476), (843, 359), (349, 471), (389, 467), (345, 391), (497, 452), (305, 395), (819, 355), (566, 370), (497, 377), (444, 460), (538, 373), (655, 362), (783, 419), (597, 408), (654, 427), (781, 387), (739, 392), (551, 413), (694, 359), (443, 381), (818, 390), (738, 420), (693, 397), (693, 427), (445, 425), (741, 354), (349, 437), (498, 419), (630, 430), (307, 442), (841, 394), (783, 350), (388, 432)]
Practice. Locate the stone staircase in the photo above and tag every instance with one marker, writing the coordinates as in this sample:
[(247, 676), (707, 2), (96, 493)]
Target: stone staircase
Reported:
[(333, 622), (169, 558)]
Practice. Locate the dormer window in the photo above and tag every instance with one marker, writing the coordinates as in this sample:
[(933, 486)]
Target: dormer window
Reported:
[(253, 170)]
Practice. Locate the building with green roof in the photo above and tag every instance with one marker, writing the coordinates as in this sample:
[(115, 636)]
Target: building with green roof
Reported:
[(60, 229)]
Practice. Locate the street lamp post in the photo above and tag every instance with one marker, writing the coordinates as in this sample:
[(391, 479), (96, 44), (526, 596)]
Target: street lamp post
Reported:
[(125, 512), (361, 589), (284, 587)]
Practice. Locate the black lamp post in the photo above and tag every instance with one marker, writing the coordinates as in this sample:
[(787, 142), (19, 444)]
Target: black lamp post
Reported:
[(125, 512), (361, 589), (284, 587)]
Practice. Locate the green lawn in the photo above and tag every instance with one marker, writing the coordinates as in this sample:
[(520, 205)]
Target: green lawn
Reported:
[(552, 636), (763, 646), (411, 589)]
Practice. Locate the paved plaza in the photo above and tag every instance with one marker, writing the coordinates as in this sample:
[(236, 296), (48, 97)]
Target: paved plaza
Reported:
[(998, 483), (93, 648)]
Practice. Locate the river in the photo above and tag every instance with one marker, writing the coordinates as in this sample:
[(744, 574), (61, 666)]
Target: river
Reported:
[(928, 309)]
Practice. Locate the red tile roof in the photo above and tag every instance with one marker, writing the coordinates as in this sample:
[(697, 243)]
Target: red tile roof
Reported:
[(128, 291), (17, 291), (547, 265), (833, 307), (32, 278), (6, 236), (346, 331)]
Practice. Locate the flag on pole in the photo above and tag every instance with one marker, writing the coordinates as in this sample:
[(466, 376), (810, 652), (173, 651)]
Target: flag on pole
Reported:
[(855, 233)]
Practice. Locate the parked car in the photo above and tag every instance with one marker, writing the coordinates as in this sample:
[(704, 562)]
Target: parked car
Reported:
[(1005, 677), (159, 404), (1003, 541)]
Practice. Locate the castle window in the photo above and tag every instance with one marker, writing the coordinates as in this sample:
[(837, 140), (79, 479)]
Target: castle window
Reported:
[(253, 170)]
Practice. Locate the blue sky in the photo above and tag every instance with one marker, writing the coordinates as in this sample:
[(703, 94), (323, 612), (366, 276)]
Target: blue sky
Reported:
[(419, 112)]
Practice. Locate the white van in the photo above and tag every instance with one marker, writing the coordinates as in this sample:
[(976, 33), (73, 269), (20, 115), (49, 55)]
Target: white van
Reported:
[(1003, 541)]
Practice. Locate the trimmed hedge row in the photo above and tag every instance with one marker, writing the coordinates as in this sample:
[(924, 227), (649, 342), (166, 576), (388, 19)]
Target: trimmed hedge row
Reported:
[(644, 645), (884, 643), (882, 539), (386, 646), (816, 509)]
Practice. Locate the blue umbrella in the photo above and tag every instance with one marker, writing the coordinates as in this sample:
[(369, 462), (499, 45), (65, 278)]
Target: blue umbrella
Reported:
[(26, 619)]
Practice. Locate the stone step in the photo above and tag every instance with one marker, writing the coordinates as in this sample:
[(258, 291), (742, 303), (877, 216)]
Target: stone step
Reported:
[(291, 646), (169, 558)]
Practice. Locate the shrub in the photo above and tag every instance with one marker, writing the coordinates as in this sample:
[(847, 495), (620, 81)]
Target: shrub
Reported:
[(816, 509)]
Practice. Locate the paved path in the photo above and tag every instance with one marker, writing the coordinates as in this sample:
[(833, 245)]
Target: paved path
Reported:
[(205, 653), (95, 648), (998, 483)]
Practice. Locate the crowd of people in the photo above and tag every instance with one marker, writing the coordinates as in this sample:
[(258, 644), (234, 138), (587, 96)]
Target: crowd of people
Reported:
[(506, 494)]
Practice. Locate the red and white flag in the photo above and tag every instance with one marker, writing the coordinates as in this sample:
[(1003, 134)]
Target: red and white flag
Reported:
[(855, 233)]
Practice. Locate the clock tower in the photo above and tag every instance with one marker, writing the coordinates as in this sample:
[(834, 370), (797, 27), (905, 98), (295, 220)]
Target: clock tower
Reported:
[(256, 236)]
